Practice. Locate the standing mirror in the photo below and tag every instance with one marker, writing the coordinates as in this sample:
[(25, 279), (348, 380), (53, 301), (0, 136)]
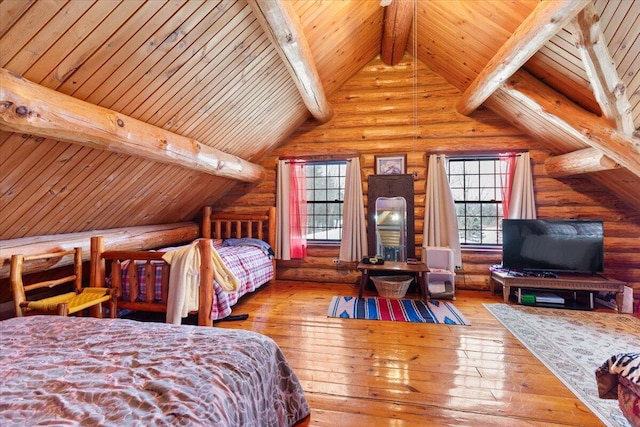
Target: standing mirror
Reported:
[(391, 228), (388, 196)]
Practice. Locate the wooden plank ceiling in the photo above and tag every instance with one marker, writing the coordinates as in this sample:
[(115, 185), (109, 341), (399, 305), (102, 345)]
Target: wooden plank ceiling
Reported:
[(458, 39), (207, 71)]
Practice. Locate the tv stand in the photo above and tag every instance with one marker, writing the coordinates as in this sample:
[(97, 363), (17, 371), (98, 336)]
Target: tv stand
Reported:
[(564, 281)]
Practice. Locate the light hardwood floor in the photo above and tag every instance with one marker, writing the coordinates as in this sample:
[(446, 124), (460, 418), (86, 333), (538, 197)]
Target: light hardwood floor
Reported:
[(377, 373)]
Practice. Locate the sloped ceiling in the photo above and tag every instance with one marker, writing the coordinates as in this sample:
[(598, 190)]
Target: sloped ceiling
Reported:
[(552, 96), (208, 72), (205, 70)]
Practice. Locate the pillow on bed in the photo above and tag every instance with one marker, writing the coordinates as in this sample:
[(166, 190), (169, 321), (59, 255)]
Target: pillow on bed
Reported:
[(247, 241)]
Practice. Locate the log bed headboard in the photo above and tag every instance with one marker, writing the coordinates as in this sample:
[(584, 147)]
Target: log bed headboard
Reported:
[(226, 226)]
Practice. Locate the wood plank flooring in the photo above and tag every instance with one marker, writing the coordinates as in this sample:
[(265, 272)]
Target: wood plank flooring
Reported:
[(377, 373)]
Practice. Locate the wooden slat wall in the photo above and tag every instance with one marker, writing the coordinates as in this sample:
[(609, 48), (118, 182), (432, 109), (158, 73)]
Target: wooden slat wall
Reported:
[(374, 114)]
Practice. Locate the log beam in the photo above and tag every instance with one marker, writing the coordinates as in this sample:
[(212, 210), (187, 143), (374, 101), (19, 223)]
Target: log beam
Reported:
[(282, 25), (608, 89), (567, 118), (398, 17), (27, 107), (537, 29), (129, 238), (578, 162)]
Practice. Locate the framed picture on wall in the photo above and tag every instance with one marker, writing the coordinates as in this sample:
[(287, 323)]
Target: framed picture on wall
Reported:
[(389, 165)]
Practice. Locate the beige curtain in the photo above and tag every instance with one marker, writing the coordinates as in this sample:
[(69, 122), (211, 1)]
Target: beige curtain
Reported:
[(353, 246), (440, 221), (283, 249), (522, 204)]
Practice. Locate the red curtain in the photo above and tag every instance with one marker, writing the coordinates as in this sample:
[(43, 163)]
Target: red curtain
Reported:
[(298, 211), (507, 181)]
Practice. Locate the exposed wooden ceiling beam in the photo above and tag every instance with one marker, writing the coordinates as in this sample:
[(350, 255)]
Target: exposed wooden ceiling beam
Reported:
[(587, 160), (540, 26), (30, 108), (608, 88), (557, 111), (282, 25), (398, 17)]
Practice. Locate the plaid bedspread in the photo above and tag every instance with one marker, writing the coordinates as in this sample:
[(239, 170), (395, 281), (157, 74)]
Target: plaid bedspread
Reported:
[(250, 264)]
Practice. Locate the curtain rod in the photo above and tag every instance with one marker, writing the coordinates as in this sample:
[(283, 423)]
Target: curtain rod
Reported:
[(480, 156), (323, 159)]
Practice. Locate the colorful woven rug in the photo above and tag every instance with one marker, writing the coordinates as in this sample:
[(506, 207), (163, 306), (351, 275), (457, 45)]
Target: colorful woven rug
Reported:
[(573, 344), (400, 310)]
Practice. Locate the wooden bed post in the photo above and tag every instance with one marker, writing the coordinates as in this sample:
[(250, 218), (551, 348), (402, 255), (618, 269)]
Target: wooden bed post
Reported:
[(272, 227), (205, 291), (97, 267), (206, 222), (96, 271), (272, 237)]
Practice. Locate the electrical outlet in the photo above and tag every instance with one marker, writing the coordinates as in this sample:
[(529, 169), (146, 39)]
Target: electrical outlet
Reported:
[(336, 261)]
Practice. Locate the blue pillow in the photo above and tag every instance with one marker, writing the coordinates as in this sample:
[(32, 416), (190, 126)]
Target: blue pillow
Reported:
[(247, 241)]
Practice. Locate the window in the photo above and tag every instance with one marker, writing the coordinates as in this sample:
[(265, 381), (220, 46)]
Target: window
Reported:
[(476, 186), (325, 197)]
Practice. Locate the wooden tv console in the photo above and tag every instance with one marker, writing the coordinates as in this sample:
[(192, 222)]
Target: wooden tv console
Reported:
[(565, 282)]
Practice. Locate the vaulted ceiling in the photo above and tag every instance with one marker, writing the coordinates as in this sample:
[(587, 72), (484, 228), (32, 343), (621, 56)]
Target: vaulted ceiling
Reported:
[(109, 109)]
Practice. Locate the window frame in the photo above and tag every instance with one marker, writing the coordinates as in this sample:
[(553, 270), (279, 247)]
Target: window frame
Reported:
[(342, 163), (496, 189)]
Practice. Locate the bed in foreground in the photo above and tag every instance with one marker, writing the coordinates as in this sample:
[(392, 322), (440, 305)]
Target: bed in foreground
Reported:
[(70, 370)]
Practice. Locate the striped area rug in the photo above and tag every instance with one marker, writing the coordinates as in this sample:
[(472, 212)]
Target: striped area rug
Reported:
[(399, 310)]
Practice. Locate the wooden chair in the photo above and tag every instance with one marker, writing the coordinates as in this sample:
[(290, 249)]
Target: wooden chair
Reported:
[(62, 304)]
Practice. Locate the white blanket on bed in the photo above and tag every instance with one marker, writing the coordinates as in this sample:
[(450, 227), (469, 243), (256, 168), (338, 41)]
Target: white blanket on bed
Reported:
[(184, 280)]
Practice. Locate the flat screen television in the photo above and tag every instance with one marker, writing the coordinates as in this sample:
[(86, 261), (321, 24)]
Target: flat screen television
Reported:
[(553, 245)]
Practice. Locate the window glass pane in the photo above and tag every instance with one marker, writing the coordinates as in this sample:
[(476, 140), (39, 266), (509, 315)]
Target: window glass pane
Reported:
[(333, 182), (487, 194), (333, 195), (333, 170), (487, 181), (487, 167), (471, 167), (457, 193), (325, 182), (472, 194), (456, 168), (476, 187), (471, 237), (320, 209), (489, 210), (456, 181), (334, 209)]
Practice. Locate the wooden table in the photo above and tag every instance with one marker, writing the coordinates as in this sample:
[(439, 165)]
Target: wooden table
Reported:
[(418, 270), (565, 282)]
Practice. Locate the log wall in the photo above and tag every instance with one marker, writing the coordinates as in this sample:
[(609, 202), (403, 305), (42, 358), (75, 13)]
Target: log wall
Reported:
[(375, 114)]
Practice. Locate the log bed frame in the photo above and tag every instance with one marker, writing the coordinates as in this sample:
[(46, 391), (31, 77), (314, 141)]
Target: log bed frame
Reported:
[(261, 227)]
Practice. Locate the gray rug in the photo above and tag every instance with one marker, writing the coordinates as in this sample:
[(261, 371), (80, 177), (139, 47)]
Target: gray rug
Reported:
[(573, 344)]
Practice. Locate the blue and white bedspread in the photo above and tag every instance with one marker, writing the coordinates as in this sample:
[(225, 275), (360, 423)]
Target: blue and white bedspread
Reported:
[(116, 372)]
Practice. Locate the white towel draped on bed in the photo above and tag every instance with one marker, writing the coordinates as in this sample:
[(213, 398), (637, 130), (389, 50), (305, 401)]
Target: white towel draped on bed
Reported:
[(184, 280)]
